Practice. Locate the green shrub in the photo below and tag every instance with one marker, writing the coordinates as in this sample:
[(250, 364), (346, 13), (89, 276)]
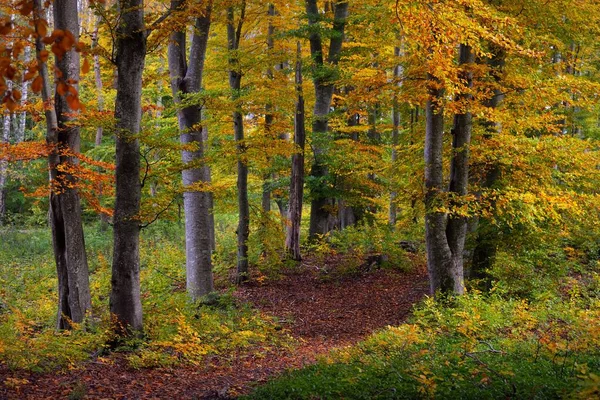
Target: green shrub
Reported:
[(474, 347)]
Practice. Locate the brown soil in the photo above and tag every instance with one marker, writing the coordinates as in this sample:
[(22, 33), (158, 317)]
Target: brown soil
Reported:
[(322, 307)]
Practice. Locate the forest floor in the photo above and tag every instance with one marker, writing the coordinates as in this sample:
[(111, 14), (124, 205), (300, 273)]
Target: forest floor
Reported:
[(321, 305)]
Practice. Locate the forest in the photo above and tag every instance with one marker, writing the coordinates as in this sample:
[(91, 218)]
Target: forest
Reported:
[(305, 199)]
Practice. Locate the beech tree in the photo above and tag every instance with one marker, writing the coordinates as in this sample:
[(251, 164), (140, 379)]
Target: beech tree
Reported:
[(292, 241), (321, 218), (234, 35), (186, 78), (74, 299), (125, 301)]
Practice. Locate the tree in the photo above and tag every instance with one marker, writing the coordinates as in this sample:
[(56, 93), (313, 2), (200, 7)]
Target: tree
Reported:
[(186, 78), (234, 35), (74, 300), (125, 301), (292, 241), (321, 218)]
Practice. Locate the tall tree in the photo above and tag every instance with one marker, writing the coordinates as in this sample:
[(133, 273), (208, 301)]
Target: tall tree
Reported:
[(186, 78), (74, 299), (321, 218), (292, 241), (234, 35), (393, 211), (4, 138), (487, 235), (125, 301), (445, 234)]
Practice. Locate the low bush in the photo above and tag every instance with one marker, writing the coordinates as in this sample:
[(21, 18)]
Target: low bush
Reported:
[(474, 347)]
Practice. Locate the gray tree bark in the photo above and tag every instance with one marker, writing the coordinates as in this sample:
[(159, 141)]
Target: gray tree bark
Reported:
[(456, 230), (5, 138), (22, 120), (185, 79), (445, 234), (395, 138), (125, 301), (74, 300), (266, 191), (100, 97), (321, 218), (234, 34), (292, 240)]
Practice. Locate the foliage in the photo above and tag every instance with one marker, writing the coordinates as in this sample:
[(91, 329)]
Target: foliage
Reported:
[(176, 331), (474, 347)]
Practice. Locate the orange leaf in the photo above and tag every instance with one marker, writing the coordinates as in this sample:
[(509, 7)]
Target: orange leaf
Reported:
[(61, 88), (16, 94), (28, 75), (41, 27), (10, 103), (10, 72), (17, 49), (73, 102), (6, 28), (85, 68), (44, 55), (67, 41), (36, 85), (26, 8)]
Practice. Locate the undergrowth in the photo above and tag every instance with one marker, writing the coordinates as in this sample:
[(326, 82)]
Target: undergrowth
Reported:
[(474, 347), (176, 331)]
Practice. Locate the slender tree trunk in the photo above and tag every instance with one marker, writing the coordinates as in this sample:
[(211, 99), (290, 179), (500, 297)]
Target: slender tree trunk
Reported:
[(395, 139), (443, 275), (348, 215), (125, 301), (185, 79), (100, 98), (487, 237), (74, 299), (234, 33), (445, 234), (5, 138), (22, 119), (292, 240), (322, 220), (266, 191), (456, 231)]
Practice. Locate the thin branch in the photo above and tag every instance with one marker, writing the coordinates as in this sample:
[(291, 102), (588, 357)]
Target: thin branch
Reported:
[(157, 215), (159, 21)]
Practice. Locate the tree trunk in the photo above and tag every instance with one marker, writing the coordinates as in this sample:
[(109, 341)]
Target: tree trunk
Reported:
[(443, 274), (456, 231), (22, 120), (292, 240), (234, 33), (266, 191), (445, 234), (486, 239), (322, 217), (74, 299), (186, 79), (125, 302), (100, 96), (395, 138), (5, 138)]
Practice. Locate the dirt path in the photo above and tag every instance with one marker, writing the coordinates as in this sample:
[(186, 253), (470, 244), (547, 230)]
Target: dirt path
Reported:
[(323, 310)]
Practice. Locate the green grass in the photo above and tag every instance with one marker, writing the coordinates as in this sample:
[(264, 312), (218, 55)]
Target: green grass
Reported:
[(175, 330)]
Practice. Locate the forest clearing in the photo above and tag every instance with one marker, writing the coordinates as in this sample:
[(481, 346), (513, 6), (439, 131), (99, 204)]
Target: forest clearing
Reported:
[(300, 199)]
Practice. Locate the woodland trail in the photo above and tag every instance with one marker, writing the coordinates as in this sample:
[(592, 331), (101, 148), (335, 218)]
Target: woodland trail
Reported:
[(321, 307)]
